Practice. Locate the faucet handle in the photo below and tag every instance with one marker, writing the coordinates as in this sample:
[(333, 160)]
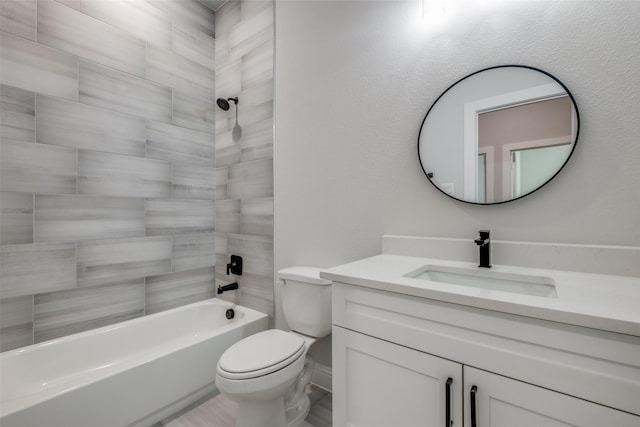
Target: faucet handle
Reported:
[(235, 266), (484, 237)]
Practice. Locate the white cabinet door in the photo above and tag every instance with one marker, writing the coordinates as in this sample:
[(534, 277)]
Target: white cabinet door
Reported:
[(380, 384), (504, 402)]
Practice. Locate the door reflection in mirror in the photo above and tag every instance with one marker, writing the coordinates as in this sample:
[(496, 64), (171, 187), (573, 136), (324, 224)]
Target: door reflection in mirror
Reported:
[(532, 167), (524, 138)]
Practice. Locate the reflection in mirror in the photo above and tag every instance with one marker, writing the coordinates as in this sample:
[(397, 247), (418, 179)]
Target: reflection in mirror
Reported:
[(498, 134)]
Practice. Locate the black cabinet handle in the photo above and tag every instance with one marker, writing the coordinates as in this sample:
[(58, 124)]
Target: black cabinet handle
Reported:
[(472, 401), (447, 409)]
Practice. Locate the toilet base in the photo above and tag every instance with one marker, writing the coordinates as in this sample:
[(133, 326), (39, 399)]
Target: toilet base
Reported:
[(279, 412), (295, 416), (271, 413)]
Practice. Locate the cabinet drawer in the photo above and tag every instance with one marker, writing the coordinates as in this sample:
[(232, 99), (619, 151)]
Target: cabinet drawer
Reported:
[(594, 365)]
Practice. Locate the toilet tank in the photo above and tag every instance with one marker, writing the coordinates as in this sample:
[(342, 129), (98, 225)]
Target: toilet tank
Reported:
[(306, 300)]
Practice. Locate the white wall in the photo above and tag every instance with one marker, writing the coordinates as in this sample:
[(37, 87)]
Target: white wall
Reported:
[(354, 79)]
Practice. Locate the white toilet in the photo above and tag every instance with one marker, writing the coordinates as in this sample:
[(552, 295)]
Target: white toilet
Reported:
[(266, 373)]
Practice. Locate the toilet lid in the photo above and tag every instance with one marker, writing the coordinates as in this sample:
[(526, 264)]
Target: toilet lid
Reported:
[(260, 354)]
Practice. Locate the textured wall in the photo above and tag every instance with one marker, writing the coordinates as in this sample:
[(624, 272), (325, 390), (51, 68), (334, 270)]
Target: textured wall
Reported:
[(354, 80), (107, 162), (244, 164)]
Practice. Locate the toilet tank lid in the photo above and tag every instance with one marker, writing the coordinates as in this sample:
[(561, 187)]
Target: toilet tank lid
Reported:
[(303, 274)]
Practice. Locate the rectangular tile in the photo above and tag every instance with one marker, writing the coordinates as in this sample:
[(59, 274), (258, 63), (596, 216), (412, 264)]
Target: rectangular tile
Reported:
[(58, 314), (257, 127), (257, 141), (222, 180), (259, 96), (170, 69), (37, 168), (179, 216), (37, 68), (37, 268), (107, 174), (256, 216), (228, 16), (191, 42), (176, 289), (228, 152), (193, 182), (250, 180), (72, 218), (169, 142), (222, 47), (221, 246), (191, 13), (257, 65), (16, 322), (114, 90), (77, 125), (193, 113), (257, 278), (193, 251), (141, 18), (257, 113), (118, 261), (251, 32), (18, 17), (257, 252), (229, 83), (255, 293), (227, 216), (17, 113), (67, 29), (16, 218)]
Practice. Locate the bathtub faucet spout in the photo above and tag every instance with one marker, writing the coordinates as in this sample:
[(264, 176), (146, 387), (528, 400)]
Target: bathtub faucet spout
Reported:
[(229, 287)]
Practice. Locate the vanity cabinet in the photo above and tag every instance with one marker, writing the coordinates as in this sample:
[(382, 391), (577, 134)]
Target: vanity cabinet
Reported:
[(404, 361)]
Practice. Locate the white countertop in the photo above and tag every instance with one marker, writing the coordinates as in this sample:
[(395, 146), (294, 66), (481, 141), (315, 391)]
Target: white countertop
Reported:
[(606, 302)]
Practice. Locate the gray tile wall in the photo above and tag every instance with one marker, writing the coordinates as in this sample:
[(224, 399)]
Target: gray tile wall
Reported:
[(107, 162), (244, 166)]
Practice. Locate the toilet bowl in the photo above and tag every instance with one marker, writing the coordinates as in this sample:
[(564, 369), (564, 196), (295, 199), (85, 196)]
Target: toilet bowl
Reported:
[(267, 373)]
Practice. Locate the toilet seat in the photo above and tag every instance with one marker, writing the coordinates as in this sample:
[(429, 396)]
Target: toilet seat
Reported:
[(261, 354)]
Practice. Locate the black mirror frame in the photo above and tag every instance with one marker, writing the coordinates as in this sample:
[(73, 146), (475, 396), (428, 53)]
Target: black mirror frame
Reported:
[(575, 142)]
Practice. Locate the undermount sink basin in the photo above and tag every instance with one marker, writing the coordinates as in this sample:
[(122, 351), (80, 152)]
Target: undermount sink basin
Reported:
[(540, 286)]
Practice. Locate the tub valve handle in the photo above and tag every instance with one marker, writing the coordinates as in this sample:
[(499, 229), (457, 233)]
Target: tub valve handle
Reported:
[(235, 266)]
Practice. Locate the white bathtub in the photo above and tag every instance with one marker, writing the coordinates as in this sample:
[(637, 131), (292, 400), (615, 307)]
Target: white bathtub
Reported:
[(134, 373)]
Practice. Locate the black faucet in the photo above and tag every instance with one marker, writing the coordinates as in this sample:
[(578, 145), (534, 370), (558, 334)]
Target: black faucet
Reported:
[(484, 241), (229, 287)]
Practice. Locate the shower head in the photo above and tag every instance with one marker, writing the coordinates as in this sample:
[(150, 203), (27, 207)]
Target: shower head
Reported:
[(224, 103)]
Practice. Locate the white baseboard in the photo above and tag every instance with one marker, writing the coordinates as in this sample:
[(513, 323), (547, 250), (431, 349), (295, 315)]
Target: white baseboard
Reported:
[(321, 377)]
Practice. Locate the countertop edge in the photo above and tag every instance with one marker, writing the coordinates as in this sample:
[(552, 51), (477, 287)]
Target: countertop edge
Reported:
[(592, 321)]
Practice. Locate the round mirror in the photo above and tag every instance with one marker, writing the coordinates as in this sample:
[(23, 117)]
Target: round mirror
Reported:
[(498, 134)]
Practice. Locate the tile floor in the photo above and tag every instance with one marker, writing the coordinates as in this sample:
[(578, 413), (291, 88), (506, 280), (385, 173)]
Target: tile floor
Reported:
[(219, 411)]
